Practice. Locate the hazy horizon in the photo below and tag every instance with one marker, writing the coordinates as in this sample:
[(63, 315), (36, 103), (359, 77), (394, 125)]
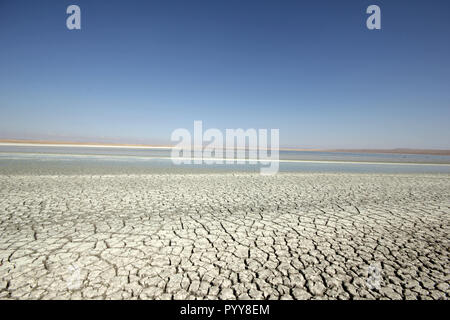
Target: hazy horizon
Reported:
[(107, 142)]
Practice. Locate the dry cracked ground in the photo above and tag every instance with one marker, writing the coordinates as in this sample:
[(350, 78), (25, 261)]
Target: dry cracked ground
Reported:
[(224, 236)]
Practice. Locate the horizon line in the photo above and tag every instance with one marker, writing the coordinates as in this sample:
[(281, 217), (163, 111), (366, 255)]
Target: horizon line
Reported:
[(40, 142)]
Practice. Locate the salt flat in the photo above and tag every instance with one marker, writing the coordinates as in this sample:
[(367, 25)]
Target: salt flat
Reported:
[(225, 236)]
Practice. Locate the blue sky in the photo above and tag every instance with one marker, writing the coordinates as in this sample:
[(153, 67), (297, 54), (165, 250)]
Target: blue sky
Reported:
[(137, 70)]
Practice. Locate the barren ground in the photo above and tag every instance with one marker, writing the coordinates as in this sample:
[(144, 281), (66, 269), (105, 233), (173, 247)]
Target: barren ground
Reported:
[(226, 236)]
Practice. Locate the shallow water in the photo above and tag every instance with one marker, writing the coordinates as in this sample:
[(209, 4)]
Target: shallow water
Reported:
[(93, 160), (283, 155)]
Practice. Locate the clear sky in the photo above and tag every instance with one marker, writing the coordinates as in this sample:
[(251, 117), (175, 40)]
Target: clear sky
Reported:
[(137, 70)]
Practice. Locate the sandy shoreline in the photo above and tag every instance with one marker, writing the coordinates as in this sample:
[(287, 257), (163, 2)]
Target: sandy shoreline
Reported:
[(223, 160), (226, 236), (38, 143), (79, 145)]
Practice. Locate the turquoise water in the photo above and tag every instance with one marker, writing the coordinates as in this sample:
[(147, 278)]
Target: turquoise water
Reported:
[(41, 159)]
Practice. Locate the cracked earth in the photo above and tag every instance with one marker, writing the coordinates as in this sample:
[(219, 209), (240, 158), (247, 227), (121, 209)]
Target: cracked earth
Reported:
[(224, 236)]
